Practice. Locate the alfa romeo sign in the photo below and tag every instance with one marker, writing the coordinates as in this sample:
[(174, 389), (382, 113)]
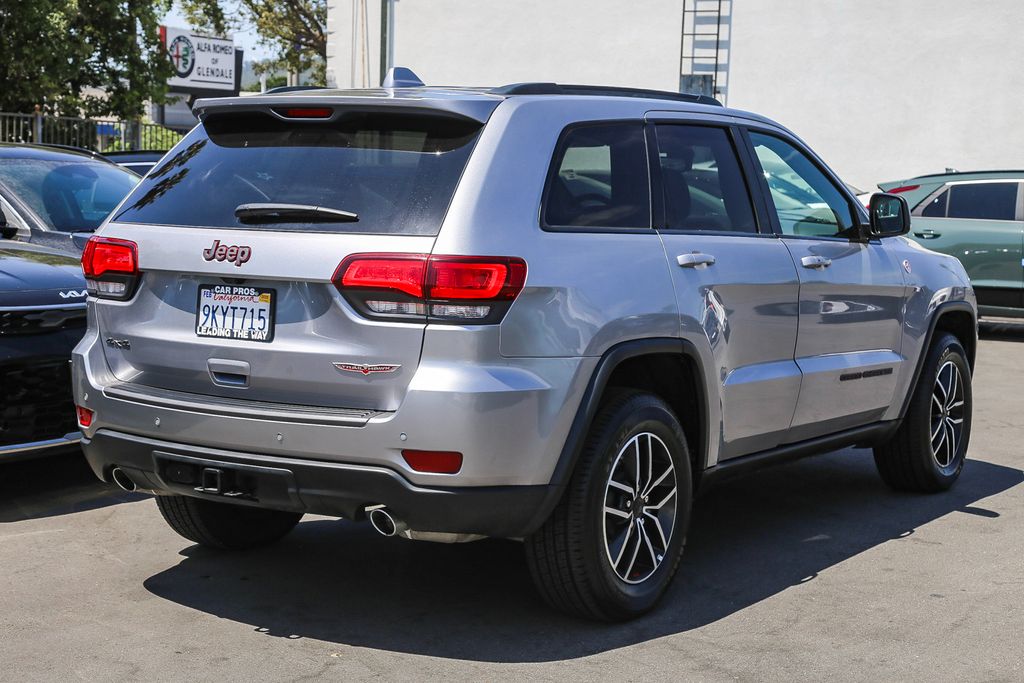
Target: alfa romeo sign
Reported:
[(200, 62)]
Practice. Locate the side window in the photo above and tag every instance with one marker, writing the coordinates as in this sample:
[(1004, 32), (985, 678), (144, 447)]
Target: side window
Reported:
[(805, 199), (599, 179), (987, 201), (701, 177), (936, 208)]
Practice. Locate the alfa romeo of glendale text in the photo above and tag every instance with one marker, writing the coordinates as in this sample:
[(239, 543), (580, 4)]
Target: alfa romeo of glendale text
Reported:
[(541, 312)]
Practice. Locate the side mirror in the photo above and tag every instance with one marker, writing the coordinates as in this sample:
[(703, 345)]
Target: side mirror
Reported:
[(890, 215), (7, 231)]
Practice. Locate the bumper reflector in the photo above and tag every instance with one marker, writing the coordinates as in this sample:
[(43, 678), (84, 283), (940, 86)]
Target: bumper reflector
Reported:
[(436, 462), (84, 416)]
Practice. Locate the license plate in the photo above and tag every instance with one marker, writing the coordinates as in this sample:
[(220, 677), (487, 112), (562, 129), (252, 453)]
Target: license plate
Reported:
[(235, 312)]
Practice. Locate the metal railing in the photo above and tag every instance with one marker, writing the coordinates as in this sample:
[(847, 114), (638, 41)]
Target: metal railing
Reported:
[(100, 135)]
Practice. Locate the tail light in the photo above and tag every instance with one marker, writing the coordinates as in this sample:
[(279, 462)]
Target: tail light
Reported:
[(111, 267), (444, 289), (903, 188)]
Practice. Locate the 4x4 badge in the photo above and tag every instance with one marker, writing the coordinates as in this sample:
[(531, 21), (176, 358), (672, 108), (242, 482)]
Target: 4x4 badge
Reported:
[(365, 368)]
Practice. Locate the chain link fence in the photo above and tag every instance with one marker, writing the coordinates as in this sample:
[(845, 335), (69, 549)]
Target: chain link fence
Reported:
[(100, 135)]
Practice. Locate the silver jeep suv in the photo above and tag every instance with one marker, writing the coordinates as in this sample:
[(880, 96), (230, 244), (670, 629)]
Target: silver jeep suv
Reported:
[(540, 312)]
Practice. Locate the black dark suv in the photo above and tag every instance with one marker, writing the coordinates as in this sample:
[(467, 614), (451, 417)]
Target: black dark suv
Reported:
[(42, 317)]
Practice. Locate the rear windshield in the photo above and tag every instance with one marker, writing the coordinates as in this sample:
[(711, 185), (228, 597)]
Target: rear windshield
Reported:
[(396, 172)]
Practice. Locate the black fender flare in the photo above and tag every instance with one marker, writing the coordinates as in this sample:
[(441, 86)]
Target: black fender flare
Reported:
[(591, 401), (940, 310)]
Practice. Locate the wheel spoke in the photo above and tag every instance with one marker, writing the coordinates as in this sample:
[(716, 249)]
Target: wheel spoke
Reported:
[(622, 548), (942, 439), (955, 420), (616, 512), (622, 487), (937, 401), (636, 551), (639, 476), (935, 432), (657, 525), (951, 443), (954, 384), (650, 548), (663, 500), (650, 464), (657, 483), (956, 405)]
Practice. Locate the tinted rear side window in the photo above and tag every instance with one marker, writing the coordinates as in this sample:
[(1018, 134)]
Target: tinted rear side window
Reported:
[(397, 172), (704, 187), (599, 179), (936, 208), (989, 201)]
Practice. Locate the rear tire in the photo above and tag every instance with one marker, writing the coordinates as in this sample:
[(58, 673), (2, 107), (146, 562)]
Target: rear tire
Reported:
[(928, 451), (607, 553), (225, 526)]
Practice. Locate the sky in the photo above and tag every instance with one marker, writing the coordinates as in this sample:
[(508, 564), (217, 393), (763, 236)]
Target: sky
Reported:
[(248, 40)]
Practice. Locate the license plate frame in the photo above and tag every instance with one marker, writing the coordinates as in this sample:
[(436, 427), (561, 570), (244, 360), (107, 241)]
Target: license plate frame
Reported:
[(251, 299)]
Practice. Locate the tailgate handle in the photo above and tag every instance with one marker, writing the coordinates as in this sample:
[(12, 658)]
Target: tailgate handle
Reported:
[(228, 373)]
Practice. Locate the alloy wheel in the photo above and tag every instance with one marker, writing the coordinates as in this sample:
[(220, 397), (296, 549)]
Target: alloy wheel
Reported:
[(947, 414), (639, 508)]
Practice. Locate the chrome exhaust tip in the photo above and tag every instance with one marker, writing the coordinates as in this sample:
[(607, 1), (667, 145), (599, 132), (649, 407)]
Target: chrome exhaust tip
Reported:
[(123, 481), (384, 522)]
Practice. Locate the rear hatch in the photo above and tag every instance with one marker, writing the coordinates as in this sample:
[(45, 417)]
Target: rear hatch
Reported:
[(240, 232)]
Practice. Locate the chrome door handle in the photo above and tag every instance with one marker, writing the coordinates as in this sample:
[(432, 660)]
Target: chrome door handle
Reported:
[(695, 260), (928, 234), (815, 262)]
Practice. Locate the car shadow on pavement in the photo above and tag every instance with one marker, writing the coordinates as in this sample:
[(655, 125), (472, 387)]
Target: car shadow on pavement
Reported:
[(54, 485), (751, 539)]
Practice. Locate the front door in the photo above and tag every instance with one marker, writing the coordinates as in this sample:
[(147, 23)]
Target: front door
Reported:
[(736, 286), (851, 294)]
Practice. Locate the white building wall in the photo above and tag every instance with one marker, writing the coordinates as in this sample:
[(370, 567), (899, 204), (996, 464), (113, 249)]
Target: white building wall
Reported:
[(494, 42), (882, 89), (886, 89)]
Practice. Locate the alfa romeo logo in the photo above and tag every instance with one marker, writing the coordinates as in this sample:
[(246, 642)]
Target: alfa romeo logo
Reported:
[(183, 55)]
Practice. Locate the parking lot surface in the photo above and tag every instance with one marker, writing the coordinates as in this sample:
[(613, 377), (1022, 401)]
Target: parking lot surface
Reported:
[(808, 571)]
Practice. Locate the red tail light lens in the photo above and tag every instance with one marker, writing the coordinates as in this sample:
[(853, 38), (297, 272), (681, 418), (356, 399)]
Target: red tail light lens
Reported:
[(904, 188), (111, 267), (84, 416), (452, 289), (435, 462), (384, 271), (486, 278)]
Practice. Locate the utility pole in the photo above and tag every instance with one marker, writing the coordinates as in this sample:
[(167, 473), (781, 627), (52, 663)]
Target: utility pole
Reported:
[(387, 37)]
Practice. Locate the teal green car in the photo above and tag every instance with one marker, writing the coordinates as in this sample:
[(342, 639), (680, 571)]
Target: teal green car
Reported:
[(979, 218)]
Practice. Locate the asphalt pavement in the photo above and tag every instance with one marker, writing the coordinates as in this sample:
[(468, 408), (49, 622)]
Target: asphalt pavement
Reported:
[(809, 571)]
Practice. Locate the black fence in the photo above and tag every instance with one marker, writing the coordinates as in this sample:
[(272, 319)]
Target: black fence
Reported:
[(100, 135)]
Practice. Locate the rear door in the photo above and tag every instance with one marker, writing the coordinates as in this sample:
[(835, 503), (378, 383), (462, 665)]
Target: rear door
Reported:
[(851, 293), (734, 283), (237, 301), (981, 222)]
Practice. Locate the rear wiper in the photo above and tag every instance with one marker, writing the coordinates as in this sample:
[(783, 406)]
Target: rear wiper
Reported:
[(288, 213)]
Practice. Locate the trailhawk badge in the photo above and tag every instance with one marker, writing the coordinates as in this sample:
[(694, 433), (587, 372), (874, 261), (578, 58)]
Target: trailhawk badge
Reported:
[(366, 369)]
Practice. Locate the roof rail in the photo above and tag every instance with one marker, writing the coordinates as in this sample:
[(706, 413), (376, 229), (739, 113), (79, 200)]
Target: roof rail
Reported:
[(601, 91)]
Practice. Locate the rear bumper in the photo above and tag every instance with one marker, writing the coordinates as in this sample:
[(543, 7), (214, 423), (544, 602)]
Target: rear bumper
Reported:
[(335, 489)]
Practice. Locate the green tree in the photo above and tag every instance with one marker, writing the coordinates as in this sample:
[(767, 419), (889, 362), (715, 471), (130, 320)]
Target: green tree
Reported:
[(91, 57), (296, 30)]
